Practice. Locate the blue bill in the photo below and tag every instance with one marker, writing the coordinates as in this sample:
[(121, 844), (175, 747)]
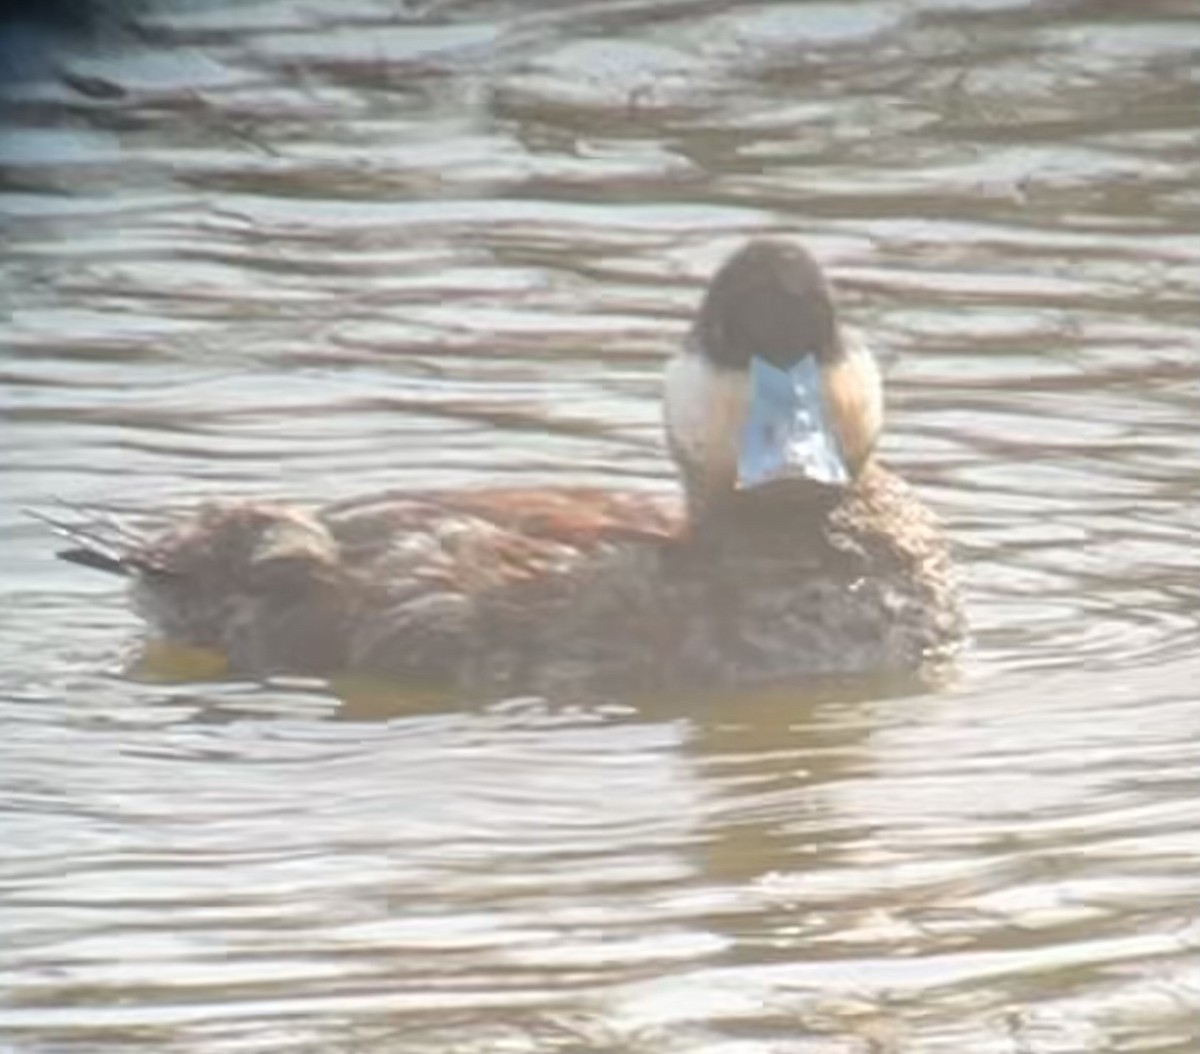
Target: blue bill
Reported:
[(787, 434)]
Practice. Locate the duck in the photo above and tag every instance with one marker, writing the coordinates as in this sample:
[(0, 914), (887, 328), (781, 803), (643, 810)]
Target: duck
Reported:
[(789, 552)]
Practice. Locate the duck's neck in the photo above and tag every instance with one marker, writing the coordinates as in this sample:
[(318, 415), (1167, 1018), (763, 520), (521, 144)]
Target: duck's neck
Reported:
[(779, 509)]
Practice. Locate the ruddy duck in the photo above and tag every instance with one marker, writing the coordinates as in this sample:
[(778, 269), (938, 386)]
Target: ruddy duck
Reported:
[(793, 554)]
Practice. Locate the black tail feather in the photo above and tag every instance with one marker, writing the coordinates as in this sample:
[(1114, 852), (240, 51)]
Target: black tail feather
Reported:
[(96, 560), (100, 540)]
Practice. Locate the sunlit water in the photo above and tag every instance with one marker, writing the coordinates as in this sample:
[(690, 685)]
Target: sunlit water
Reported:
[(307, 250)]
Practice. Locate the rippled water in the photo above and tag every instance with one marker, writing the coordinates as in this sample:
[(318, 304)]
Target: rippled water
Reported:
[(307, 250)]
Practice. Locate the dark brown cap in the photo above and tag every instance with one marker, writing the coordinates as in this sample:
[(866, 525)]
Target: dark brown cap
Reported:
[(769, 300)]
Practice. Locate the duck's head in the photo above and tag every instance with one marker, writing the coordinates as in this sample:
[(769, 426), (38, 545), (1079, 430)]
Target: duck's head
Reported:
[(768, 388)]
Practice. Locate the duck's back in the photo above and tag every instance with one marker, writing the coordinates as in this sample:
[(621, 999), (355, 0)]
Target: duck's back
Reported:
[(474, 587)]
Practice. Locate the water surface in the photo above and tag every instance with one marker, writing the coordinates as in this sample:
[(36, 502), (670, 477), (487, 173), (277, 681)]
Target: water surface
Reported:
[(308, 250)]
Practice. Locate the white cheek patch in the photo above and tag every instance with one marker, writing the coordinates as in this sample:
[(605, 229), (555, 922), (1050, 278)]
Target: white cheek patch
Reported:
[(705, 409), (853, 395)]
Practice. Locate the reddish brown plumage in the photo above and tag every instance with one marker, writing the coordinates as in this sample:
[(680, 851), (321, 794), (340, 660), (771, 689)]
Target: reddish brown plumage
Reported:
[(521, 589)]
